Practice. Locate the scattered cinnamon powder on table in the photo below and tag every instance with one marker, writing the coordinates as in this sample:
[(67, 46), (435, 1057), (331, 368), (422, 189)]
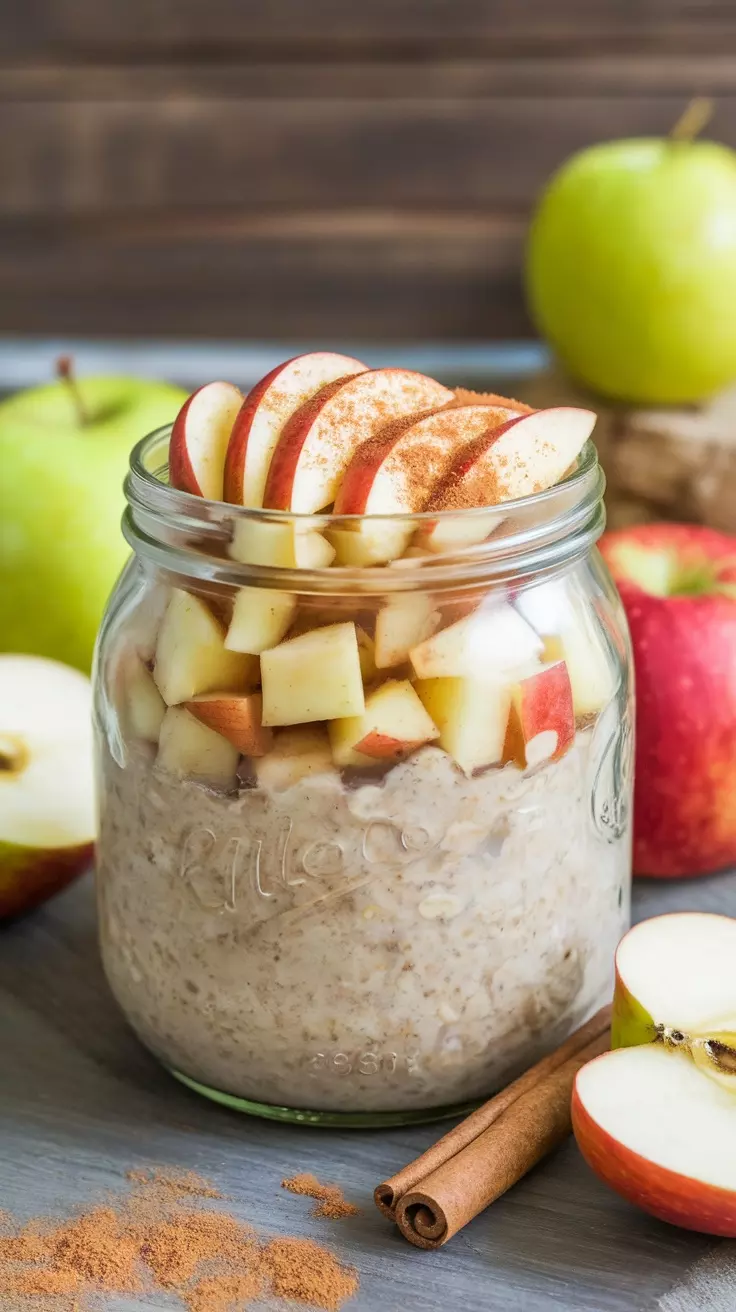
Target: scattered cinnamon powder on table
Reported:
[(331, 1202), (158, 1236)]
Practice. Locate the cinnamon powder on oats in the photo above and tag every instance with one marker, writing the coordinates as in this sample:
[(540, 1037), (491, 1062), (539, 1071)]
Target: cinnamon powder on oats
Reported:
[(330, 1200), (159, 1237)]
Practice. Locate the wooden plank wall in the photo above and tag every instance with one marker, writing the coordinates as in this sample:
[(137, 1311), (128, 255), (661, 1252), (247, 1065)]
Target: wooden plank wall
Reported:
[(314, 168)]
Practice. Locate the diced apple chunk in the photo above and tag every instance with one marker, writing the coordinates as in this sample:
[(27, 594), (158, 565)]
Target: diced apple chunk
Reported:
[(312, 550), (588, 665), (541, 724), (296, 754), (404, 622), (315, 676), (471, 715), (256, 543), (144, 706), (188, 748), (369, 542), (191, 656), (366, 654), (394, 723), (492, 640), (261, 617), (238, 717)]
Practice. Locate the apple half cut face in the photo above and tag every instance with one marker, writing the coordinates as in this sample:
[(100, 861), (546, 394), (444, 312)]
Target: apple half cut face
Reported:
[(656, 1117), (47, 812)]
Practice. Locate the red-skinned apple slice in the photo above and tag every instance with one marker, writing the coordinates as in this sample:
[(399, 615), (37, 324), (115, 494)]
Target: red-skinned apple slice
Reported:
[(541, 723), (655, 1117), (200, 437), (525, 455), (265, 411), (318, 442), (396, 471), (236, 717)]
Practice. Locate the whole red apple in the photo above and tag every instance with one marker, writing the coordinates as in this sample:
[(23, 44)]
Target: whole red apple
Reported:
[(678, 586)]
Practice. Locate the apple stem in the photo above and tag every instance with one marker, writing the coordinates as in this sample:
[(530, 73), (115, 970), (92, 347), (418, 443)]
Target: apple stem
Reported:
[(693, 119), (65, 371)]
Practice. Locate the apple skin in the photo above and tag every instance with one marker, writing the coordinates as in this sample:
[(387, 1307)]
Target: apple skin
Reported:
[(57, 566), (663, 1193), (29, 876), (631, 269), (685, 661)]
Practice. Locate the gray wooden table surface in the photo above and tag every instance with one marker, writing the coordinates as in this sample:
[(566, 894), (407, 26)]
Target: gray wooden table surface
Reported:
[(81, 1103)]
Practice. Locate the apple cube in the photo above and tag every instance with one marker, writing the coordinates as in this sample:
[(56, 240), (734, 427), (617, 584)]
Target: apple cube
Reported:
[(144, 706), (257, 543), (261, 617), (471, 715), (401, 625), (455, 531), (315, 676), (372, 542), (571, 634), (188, 748), (191, 656), (492, 640), (295, 754), (366, 654), (312, 550), (541, 723), (237, 717), (394, 723)]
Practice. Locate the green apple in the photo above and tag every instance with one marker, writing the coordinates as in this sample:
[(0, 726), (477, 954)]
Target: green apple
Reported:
[(61, 500), (631, 268)]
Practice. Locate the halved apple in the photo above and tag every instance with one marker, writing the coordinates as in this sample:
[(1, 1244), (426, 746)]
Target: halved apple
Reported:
[(261, 617), (541, 724), (296, 754), (236, 716), (191, 656), (199, 440), (144, 707), (655, 1118), (265, 411), (315, 676), (318, 442), (393, 724), (397, 471), (189, 749), (47, 810), (402, 624), (492, 640), (527, 454), (471, 715)]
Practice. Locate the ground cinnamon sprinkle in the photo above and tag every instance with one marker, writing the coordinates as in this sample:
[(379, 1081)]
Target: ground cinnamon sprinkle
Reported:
[(157, 1237), (331, 1202)]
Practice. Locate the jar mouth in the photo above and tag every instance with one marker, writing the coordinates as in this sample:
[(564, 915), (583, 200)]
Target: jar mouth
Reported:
[(187, 535)]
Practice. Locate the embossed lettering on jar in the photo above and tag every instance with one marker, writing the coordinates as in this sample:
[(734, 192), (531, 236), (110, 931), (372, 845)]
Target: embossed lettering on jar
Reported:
[(308, 931)]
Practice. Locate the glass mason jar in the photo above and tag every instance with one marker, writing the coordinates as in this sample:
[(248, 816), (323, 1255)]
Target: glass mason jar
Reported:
[(372, 874)]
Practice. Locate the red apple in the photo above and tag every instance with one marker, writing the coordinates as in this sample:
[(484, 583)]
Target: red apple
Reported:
[(264, 412), (199, 440), (675, 582), (318, 441)]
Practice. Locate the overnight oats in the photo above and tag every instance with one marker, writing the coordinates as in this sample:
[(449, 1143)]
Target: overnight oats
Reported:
[(363, 713)]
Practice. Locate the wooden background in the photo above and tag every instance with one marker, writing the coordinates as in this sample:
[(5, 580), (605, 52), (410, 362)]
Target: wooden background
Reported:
[(314, 168)]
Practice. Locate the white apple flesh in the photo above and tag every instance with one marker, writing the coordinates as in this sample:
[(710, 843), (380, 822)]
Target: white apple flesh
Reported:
[(47, 811), (199, 440)]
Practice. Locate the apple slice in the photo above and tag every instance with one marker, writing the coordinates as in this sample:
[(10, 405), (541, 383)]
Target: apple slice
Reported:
[(393, 724), (265, 411), (191, 656), (541, 723), (397, 470), (315, 676), (261, 617), (493, 640), (296, 754), (402, 624), (454, 532), (199, 440), (525, 455), (237, 717), (144, 707), (471, 715), (317, 443), (47, 797), (189, 749), (661, 1134)]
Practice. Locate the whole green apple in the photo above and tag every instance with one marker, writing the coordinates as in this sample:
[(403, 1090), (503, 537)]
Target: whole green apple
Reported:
[(61, 500), (631, 269)]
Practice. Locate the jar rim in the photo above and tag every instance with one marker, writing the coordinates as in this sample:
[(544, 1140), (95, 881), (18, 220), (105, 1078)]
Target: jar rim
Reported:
[(186, 534)]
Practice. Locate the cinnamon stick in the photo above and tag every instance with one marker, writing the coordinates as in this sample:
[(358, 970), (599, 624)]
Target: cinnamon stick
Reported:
[(388, 1194)]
